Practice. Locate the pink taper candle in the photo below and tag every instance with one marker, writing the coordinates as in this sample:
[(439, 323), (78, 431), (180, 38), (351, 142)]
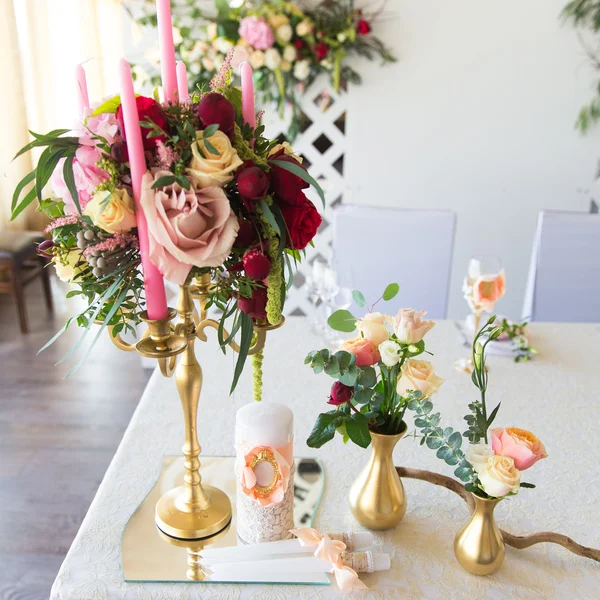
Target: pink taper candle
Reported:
[(82, 91), (156, 300), (167, 49), (248, 95), (182, 84)]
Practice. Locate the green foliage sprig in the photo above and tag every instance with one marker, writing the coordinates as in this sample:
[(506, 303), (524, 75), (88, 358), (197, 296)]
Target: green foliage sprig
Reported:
[(516, 334)]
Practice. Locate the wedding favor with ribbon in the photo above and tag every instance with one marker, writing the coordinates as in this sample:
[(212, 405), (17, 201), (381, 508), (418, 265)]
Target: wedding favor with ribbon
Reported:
[(264, 447)]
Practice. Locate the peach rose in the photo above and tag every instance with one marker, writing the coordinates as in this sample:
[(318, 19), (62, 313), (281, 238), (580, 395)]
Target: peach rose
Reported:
[(372, 326), (488, 289), (500, 476), (409, 325), (365, 352), (207, 169), (418, 375), (114, 212), (521, 445), (187, 228)]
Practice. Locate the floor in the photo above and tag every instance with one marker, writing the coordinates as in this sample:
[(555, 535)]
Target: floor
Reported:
[(57, 437)]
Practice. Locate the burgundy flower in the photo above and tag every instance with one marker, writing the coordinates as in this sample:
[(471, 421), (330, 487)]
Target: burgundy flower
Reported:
[(340, 393), (302, 220), (299, 44), (363, 27), (148, 110), (213, 109), (119, 152), (247, 234), (255, 306), (253, 183), (44, 248), (257, 265), (321, 49), (285, 184)]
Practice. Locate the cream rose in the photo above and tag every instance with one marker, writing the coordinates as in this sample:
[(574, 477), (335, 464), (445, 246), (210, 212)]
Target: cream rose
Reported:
[(272, 58), (287, 149), (66, 265), (187, 228), (372, 326), (301, 70), (478, 455), (114, 212), (284, 33), (290, 53), (304, 27), (285, 66), (500, 476), (418, 375), (277, 20), (409, 325), (257, 59), (207, 169), (390, 353)]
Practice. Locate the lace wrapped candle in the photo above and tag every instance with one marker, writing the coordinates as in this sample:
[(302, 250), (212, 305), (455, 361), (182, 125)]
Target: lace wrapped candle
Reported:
[(264, 445)]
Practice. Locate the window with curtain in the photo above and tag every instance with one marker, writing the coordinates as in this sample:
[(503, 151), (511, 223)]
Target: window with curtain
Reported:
[(41, 43)]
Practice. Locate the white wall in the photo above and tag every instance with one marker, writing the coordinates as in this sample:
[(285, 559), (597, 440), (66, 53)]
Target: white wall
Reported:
[(477, 116)]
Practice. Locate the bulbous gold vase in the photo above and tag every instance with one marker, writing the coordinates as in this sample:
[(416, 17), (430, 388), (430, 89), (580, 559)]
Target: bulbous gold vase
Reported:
[(377, 498), (478, 546)]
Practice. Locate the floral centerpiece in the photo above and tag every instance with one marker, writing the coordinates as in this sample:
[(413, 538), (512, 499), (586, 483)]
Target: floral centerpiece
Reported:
[(288, 46), (218, 198), (378, 376)]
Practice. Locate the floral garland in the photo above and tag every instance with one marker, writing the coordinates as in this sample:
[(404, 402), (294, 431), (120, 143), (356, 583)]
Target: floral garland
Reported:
[(287, 46), (218, 197)]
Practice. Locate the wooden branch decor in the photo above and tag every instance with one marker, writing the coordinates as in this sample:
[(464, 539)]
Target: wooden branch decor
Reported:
[(516, 541)]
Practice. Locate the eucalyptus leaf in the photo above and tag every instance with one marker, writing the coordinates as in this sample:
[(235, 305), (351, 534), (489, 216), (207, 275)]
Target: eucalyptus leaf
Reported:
[(391, 291), (342, 320), (359, 298)]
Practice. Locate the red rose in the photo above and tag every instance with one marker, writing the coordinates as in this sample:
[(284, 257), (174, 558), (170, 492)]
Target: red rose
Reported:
[(299, 44), (255, 306), (321, 49), (302, 220), (257, 265), (246, 235), (363, 27), (284, 183), (253, 183), (213, 109), (340, 393), (148, 110)]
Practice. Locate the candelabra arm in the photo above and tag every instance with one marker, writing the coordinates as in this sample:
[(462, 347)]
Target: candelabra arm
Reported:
[(257, 346)]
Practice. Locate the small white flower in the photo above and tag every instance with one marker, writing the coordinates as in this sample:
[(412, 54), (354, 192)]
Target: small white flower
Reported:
[(285, 65), (257, 59), (341, 37), (211, 31), (223, 45), (478, 455), (302, 70), (284, 33), (272, 59), (289, 53), (304, 28), (390, 353)]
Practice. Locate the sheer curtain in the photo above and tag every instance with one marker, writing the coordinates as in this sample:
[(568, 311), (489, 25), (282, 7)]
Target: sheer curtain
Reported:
[(41, 42)]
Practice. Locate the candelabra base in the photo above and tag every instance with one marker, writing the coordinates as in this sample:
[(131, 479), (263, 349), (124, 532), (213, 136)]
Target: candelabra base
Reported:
[(174, 518)]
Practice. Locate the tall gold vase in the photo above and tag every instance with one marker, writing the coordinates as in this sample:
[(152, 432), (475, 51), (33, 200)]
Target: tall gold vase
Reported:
[(377, 498), (478, 546)]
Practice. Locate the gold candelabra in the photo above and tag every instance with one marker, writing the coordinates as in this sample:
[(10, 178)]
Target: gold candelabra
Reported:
[(191, 511)]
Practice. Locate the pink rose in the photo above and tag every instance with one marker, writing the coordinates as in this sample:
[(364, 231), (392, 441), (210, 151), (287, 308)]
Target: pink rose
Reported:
[(364, 350), (519, 444), (409, 326), (187, 228), (488, 289), (256, 32)]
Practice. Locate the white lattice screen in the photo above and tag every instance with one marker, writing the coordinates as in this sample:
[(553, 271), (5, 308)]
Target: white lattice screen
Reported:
[(322, 144)]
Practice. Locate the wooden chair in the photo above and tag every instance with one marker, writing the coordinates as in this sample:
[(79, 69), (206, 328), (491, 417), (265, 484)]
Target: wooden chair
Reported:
[(20, 264)]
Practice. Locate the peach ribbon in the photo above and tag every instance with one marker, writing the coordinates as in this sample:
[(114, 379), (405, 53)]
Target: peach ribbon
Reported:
[(331, 551)]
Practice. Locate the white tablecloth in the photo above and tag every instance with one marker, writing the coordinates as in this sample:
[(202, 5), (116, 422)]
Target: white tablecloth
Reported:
[(557, 396)]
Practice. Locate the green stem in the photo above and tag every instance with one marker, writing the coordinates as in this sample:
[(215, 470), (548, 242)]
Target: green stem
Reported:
[(337, 66)]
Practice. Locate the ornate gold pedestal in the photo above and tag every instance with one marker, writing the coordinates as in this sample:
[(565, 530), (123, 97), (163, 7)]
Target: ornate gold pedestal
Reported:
[(190, 511)]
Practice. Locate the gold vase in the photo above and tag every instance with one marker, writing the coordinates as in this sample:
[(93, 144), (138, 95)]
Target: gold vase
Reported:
[(478, 546), (377, 498)]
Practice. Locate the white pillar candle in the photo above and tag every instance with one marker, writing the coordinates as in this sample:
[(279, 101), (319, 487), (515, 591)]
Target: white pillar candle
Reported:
[(264, 424)]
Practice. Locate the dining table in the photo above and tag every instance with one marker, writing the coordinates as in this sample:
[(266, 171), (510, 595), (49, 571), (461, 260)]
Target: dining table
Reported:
[(556, 395)]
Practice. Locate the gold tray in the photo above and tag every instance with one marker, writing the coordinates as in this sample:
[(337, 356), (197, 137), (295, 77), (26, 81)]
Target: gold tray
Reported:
[(150, 555)]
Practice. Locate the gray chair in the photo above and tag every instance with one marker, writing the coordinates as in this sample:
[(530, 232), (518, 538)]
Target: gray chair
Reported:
[(564, 274), (377, 246)]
